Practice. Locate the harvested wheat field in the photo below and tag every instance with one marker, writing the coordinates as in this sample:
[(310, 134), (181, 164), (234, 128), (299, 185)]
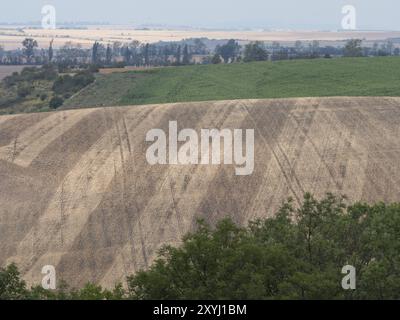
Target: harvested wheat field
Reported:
[(77, 192)]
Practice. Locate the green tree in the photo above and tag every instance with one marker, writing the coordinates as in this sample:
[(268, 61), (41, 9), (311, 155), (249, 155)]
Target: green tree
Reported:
[(56, 102), (353, 48), (255, 51), (146, 54), (127, 55), (24, 90), (216, 59), (1, 53), (109, 54), (95, 52), (199, 47), (11, 286), (186, 55), (228, 51), (178, 55), (29, 48), (51, 51), (314, 49)]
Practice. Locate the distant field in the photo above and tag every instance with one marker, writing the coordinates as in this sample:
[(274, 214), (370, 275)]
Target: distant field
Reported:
[(284, 79), (12, 38), (7, 70)]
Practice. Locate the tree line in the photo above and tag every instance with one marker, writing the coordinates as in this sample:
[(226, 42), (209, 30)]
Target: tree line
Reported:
[(299, 253), (184, 52)]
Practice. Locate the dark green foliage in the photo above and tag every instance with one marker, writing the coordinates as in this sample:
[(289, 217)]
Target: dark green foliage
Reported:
[(29, 48), (31, 89), (11, 80), (11, 285), (353, 48), (216, 59), (228, 51), (29, 74), (108, 55), (43, 96), (70, 84), (56, 102), (95, 52), (146, 54), (178, 55), (51, 51), (24, 90), (255, 51)]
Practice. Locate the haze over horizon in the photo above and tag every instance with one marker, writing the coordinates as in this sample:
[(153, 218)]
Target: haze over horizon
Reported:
[(225, 14)]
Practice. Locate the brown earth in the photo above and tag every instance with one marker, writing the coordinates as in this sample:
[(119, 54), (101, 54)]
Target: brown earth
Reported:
[(77, 192), (8, 70)]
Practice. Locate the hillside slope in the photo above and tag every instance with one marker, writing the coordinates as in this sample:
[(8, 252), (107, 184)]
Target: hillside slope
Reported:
[(379, 76), (77, 192)]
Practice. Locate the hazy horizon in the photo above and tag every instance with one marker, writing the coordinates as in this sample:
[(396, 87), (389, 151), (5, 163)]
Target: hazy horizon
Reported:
[(224, 14)]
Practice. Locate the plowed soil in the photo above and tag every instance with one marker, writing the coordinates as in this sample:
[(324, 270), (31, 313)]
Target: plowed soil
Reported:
[(77, 192)]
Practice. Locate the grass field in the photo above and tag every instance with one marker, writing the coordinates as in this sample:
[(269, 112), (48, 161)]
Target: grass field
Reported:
[(283, 79)]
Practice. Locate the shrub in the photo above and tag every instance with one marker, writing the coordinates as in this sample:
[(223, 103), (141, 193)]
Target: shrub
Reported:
[(11, 285), (11, 80), (216, 59), (24, 90), (56, 102), (70, 84)]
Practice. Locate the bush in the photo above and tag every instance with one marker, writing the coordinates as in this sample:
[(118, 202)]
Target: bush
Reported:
[(48, 72), (11, 286), (29, 74), (11, 80), (24, 90), (56, 102), (255, 51), (71, 84)]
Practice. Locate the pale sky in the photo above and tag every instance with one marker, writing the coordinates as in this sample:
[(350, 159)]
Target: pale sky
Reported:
[(277, 14)]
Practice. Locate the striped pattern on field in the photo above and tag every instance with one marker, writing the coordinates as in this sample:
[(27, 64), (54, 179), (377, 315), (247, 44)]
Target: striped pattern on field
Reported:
[(77, 192)]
